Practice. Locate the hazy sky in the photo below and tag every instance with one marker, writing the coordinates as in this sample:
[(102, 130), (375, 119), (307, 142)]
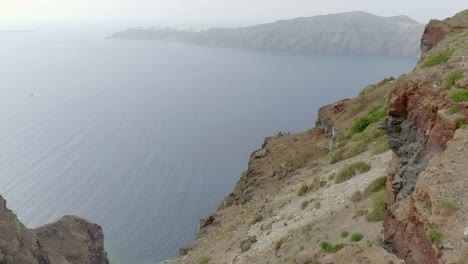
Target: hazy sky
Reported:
[(209, 12)]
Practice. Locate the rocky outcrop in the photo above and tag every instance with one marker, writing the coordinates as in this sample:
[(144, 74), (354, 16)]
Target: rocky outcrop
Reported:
[(422, 180), (70, 240), (437, 30), (352, 32)]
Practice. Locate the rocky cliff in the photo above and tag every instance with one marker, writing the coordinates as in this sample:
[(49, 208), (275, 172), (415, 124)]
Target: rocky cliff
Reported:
[(427, 198), (70, 240), (382, 178), (353, 32)]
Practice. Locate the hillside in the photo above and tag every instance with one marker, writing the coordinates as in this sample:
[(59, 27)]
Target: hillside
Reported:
[(351, 33), (381, 178)]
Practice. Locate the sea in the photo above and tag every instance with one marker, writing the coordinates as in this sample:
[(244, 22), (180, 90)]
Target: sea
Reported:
[(147, 137)]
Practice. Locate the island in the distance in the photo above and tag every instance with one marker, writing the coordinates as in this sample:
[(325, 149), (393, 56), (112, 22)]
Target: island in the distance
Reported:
[(351, 33)]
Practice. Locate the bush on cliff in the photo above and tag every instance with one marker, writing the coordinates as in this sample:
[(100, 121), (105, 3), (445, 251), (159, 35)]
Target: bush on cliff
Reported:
[(378, 207), (453, 77)]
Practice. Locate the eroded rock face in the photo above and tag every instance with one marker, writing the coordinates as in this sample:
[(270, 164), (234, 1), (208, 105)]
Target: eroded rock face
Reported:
[(423, 179), (70, 240), (437, 30)]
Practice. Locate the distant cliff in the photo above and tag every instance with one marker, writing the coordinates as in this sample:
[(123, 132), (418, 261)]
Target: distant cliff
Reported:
[(352, 33), (70, 240)]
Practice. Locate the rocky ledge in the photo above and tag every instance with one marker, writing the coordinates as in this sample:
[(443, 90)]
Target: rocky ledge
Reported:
[(70, 240)]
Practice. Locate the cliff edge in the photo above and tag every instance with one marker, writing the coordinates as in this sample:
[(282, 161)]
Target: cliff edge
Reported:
[(70, 240)]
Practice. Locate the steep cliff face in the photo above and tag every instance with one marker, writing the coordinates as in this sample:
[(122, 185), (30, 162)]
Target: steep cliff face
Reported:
[(427, 196), (70, 240)]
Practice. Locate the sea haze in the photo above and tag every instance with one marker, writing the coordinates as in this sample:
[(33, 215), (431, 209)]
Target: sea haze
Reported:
[(145, 138)]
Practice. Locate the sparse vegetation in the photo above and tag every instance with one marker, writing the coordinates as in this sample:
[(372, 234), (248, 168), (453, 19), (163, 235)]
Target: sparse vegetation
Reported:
[(460, 121), (329, 248), (356, 197), (362, 123), (356, 237), (453, 77), (378, 207), (351, 170), (279, 243), (439, 58), (459, 95), (203, 260), (305, 188), (449, 205), (452, 110), (356, 139), (344, 234), (317, 205), (301, 248), (304, 205), (434, 236), (376, 185), (380, 146)]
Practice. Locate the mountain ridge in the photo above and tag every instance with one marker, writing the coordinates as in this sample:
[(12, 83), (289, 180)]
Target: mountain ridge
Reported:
[(354, 32)]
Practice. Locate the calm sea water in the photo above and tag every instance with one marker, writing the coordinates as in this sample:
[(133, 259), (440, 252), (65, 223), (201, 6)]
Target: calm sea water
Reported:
[(146, 138)]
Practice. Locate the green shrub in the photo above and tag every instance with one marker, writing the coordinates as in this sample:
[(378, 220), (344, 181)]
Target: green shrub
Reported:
[(361, 124), (434, 236), (305, 188), (453, 77), (376, 185), (279, 243), (452, 110), (301, 248), (351, 170), (460, 95), (344, 234), (439, 58), (356, 197), (304, 205), (356, 237), (460, 121), (378, 207), (329, 248), (203, 260)]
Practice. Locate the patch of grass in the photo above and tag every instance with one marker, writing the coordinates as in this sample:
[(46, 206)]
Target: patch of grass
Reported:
[(460, 121), (203, 260), (362, 123), (453, 77), (452, 110), (376, 185), (344, 234), (356, 237), (354, 149), (305, 188), (434, 236), (378, 207), (380, 146), (329, 248), (458, 36), (356, 197), (449, 205), (301, 248), (459, 95), (439, 58), (279, 243), (351, 170), (317, 205), (304, 205)]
